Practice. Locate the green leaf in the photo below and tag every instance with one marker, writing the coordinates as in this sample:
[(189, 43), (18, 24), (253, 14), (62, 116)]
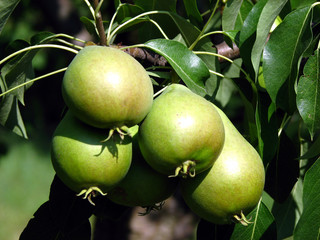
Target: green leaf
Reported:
[(308, 94), (269, 13), (230, 14), (16, 45), (10, 116), (193, 12), (17, 71), (309, 224), (188, 31), (298, 3), (149, 31), (128, 11), (247, 35), (190, 68), (125, 13), (42, 37), (172, 24), (282, 55), (160, 74), (227, 87), (283, 170), (313, 151), (250, 24), (169, 5), (212, 83), (267, 128), (245, 9), (177, 25), (288, 213), (6, 8), (89, 24), (262, 221), (234, 14)]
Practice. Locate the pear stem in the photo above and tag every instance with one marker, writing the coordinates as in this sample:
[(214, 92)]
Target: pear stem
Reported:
[(187, 168), (111, 131), (124, 130), (242, 219), (91, 192)]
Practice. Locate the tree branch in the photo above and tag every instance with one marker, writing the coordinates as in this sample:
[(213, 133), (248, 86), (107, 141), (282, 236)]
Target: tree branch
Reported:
[(226, 51), (143, 54), (99, 24), (140, 53), (157, 60)]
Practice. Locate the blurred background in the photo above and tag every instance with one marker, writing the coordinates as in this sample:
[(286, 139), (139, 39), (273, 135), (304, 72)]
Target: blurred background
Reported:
[(25, 167)]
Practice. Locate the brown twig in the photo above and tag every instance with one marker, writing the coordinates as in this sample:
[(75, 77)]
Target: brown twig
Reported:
[(222, 48), (99, 24), (226, 51), (143, 54), (158, 60)]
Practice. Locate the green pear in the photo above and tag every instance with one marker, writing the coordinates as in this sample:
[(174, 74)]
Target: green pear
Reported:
[(142, 186), (107, 88), (232, 187), (182, 134), (84, 163)]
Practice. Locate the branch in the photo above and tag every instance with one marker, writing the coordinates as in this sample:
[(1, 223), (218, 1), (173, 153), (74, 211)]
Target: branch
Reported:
[(224, 50), (99, 24), (143, 54), (157, 60)]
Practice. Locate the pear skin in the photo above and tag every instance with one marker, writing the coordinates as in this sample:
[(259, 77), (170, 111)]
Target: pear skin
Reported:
[(182, 134), (234, 184)]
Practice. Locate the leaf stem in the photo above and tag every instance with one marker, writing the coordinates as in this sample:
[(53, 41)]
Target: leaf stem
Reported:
[(131, 20), (68, 43), (159, 92), (63, 35), (247, 76), (91, 9), (160, 29), (205, 26), (132, 46), (68, 36), (205, 13), (229, 60), (33, 80), (36, 47), (111, 23), (284, 122), (256, 219), (216, 73)]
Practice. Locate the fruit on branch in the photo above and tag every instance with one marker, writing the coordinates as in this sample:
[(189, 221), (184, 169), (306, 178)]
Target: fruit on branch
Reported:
[(142, 186), (233, 186), (183, 133), (107, 88), (83, 162)]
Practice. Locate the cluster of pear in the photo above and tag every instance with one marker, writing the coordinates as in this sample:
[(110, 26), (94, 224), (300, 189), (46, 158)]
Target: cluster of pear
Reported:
[(116, 139)]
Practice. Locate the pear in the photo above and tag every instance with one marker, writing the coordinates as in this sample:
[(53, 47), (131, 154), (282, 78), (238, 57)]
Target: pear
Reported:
[(182, 134), (107, 88), (84, 163), (142, 186), (233, 186)]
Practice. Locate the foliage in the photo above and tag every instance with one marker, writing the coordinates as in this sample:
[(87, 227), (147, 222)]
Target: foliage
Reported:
[(276, 74)]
